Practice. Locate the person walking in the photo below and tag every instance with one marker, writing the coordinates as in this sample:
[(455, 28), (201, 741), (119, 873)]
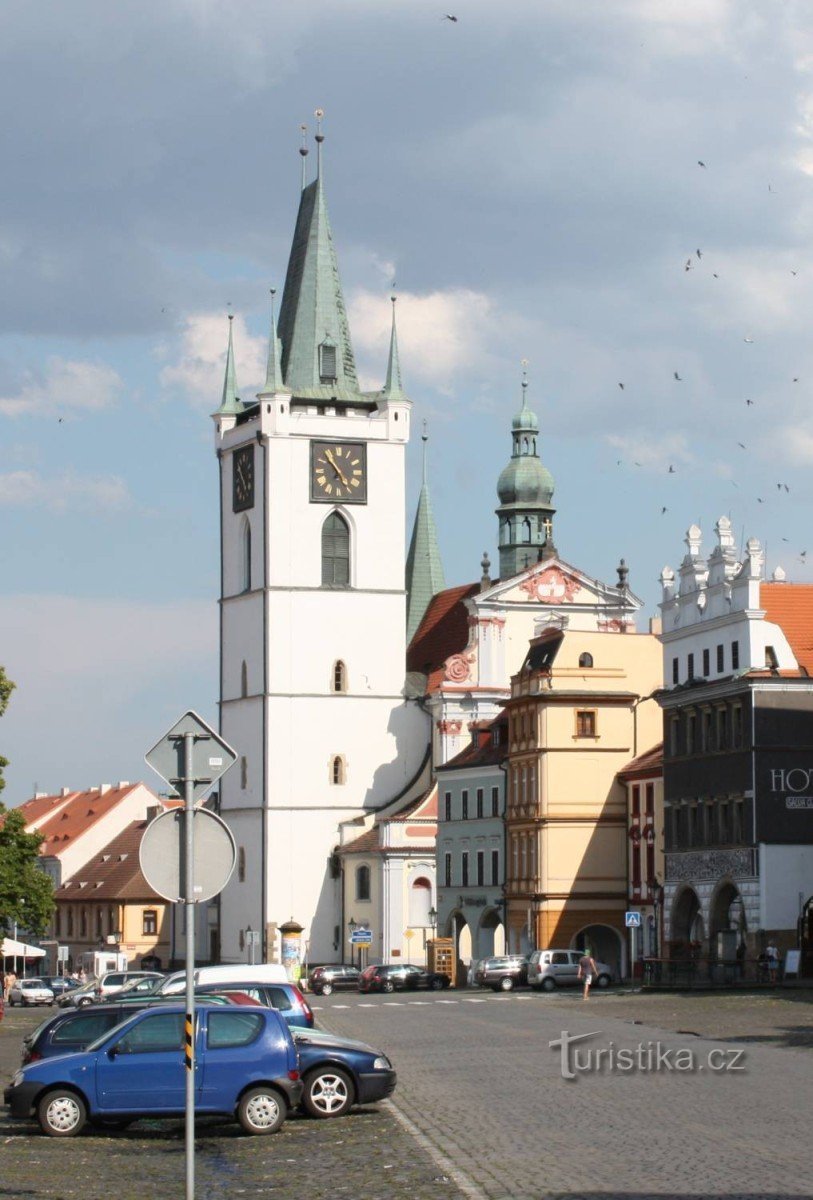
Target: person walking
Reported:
[(772, 955), (588, 971)]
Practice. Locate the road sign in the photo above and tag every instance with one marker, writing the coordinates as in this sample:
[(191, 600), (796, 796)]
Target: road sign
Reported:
[(632, 920), (211, 756), (361, 937), (162, 854)]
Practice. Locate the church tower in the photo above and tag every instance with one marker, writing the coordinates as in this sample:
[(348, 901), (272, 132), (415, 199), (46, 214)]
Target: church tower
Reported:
[(312, 606), (525, 490)]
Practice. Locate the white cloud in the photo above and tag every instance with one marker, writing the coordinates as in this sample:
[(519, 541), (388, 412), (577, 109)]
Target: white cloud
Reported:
[(65, 385), (61, 493), (201, 359), (652, 453), (444, 337)]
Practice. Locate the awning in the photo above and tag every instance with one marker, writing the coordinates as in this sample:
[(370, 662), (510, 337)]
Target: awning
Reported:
[(12, 949)]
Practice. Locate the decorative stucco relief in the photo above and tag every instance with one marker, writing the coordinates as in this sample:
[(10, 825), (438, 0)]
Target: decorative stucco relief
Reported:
[(711, 864), (551, 586)]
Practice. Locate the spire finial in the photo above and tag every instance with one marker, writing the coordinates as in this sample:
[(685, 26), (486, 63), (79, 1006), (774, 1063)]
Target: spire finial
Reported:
[(231, 401), (524, 365), (273, 371), (303, 150), (424, 439), (320, 137), (485, 579), (393, 389)]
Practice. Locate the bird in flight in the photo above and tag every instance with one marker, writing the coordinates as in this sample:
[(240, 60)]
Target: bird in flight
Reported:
[(715, 275), (700, 163), (621, 386), (750, 403), (677, 377), (688, 265), (796, 379), (671, 470), (699, 253), (748, 339), (794, 272), (449, 17), (663, 510), (741, 445)]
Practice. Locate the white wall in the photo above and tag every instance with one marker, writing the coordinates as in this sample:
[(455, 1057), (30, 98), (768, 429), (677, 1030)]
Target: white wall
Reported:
[(786, 873)]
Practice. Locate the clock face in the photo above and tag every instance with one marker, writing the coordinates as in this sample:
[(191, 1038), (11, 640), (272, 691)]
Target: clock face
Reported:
[(339, 472), (243, 479)]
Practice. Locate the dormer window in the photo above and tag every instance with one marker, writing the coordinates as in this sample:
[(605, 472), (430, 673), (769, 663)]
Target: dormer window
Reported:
[(771, 661), (327, 362)]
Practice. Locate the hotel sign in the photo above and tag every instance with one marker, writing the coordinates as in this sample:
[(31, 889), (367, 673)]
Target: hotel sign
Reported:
[(784, 795)]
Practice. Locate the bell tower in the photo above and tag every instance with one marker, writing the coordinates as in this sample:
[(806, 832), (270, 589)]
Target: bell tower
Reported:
[(525, 490), (312, 604)]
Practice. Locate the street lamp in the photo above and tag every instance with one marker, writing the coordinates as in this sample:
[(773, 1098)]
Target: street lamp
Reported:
[(433, 919), (352, 925)]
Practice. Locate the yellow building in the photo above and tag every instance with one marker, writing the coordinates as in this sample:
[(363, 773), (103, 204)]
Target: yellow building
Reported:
[(108, 904), (580, 710)]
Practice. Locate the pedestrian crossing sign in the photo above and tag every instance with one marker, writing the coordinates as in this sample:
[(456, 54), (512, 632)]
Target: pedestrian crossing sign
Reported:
[(633, 920)]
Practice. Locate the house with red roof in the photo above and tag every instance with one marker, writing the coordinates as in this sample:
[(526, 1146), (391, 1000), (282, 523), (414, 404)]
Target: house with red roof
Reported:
[(738, 752)]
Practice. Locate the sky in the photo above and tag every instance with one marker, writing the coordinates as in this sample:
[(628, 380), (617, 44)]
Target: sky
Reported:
[(619, 194)]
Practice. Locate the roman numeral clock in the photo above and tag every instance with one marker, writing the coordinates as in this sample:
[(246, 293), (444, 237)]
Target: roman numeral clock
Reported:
[(339, 472)]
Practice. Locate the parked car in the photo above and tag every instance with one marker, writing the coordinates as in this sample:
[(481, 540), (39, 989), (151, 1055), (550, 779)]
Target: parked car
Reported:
[(338, 1073), (502, 973), (227, 973), (114, 981), (80, 996), (59, 984), (400, 977), (324, 980), (286, 998), (247, 1067), (30, 991), (136, 988), (73, 1029), (549, 969)]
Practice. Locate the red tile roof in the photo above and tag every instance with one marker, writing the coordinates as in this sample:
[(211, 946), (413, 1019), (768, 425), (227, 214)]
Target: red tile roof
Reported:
[(112, 874), (365, 842), (444, 630), (483, 752), (647, 764), (83, 810), (790, 605), (40, 807)]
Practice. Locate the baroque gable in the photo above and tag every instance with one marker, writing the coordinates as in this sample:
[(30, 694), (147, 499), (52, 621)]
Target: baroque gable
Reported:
[(555, 583)]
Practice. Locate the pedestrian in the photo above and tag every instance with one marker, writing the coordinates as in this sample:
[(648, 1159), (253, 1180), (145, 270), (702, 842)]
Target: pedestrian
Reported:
[(772, 955), (9, 980), (588, 971)]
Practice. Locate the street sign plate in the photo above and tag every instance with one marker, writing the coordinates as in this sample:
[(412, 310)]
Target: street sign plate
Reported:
[(211, 756), (632, 920), (163, 854), (361, 937)]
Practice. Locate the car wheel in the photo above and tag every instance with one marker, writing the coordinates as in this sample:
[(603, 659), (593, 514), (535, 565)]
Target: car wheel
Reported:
[(506, 984), (261, 1110), (549, 984), (328, 1093), (61, 1113), (326, 989), (387, 986), (436, 985), (603, 981), (84, 1002)]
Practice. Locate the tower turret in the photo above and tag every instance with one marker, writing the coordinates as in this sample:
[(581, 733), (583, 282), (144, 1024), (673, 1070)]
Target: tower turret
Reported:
[(525, 490)]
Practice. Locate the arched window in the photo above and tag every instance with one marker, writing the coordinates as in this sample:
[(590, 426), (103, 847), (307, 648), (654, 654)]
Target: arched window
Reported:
[(585, 660), (363, 882), (339, 676), (338, 770), (245, 556), (526, 530), (335, 552), (420, 901), (244, 680), (524, 445)]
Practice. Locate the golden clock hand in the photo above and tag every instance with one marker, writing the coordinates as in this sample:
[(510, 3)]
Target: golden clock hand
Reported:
[(336, 467)]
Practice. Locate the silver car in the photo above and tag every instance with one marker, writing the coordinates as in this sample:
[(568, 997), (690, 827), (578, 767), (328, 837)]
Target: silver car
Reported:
[(549, 969), (30, 991)]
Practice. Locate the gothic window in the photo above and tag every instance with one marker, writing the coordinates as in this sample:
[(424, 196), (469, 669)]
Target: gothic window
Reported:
[(338, 770), (363, 882), (327, 362), (585, 660), (339, 677), (534, 446), (526, 530), (244, 680), (245, 556), (335, 552), (524, 445)]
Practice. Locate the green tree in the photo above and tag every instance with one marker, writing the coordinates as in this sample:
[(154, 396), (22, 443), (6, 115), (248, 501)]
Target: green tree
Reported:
[(6, 688), (26, 892)]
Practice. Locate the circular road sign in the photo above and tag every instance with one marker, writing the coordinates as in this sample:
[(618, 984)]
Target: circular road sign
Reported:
[(163, 852)]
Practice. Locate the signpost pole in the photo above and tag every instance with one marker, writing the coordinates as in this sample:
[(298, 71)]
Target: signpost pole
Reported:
[(632, 953), (189, 912)]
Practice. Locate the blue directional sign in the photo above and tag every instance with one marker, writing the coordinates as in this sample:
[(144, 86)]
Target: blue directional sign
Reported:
[(632, 920), (361, 937)]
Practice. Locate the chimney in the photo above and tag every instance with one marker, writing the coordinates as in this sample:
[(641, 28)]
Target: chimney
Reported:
[(65, 791), (655, 625), (122, 784), (152, 812), (103, 787)]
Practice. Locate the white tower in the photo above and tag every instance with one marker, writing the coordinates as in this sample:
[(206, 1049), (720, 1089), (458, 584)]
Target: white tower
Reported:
[(312, 607)]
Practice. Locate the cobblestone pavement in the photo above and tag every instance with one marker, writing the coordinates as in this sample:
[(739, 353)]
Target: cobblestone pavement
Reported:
[(367, 1155), (478, 1077)]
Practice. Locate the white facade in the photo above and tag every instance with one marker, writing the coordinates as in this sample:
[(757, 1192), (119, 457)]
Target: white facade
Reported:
[(282, 635)]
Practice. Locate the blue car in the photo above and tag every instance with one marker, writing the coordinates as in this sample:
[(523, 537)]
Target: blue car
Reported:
[(246, 1066), (338, 1073)]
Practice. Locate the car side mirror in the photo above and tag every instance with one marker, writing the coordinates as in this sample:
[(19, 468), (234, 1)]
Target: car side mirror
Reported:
[(113, 1051)]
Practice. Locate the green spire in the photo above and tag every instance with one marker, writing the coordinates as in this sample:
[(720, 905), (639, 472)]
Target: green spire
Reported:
[(392, 388), (231, 404), (525, 489), (273, 372), (317, 355), (424, 569)]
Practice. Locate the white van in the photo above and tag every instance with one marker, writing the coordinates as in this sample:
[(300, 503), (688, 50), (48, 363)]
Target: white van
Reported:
[(228, 973)]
